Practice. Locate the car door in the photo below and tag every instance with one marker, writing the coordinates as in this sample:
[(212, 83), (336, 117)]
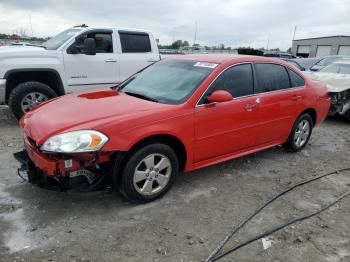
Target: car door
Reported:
[(280, 102), (224, 128), (138, 50), (92, 71)]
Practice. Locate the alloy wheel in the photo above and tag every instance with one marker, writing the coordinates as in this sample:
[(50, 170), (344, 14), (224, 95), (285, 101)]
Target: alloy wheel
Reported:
[(152, 174), (32, 99), (302, 133)]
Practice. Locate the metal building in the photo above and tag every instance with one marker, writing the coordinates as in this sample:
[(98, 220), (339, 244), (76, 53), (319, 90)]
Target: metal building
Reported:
[(322, 46)]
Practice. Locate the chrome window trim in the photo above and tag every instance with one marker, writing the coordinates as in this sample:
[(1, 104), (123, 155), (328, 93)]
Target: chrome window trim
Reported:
[(253, 69)]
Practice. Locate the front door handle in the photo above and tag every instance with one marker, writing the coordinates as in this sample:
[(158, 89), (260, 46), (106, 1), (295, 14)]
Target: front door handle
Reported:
[(151, 61), (110, 60)]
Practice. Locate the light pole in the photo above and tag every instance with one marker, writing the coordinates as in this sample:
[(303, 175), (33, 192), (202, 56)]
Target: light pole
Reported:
[(295, 30), (195, 34)]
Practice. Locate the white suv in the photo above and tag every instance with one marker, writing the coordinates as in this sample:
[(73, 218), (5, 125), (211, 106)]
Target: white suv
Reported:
[(79, 58)]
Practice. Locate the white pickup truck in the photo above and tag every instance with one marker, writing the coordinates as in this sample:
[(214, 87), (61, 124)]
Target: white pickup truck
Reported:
[(79, 58)]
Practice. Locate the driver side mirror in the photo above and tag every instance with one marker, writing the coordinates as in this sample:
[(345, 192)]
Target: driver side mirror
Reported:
[(89, 46), (219, 96)]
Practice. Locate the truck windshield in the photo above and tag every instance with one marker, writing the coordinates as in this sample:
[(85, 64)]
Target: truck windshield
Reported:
[(170, 82), (58, 40)]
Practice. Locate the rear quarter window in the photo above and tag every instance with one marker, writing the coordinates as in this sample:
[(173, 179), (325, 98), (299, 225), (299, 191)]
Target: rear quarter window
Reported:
[(295, 79), (271, 77)]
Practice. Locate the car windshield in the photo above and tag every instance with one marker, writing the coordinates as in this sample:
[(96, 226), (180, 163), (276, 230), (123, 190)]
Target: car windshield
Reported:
[(58, 40), (337, 68), (168, 81)]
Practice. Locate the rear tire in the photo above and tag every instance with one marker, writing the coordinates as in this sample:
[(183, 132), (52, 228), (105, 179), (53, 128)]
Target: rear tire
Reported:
[(300, 133), (148, 173), (21, 94)]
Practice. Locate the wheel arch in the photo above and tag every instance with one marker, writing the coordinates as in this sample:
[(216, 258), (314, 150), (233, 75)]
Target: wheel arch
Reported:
[(312, 112), (174, 142), (47, 76)]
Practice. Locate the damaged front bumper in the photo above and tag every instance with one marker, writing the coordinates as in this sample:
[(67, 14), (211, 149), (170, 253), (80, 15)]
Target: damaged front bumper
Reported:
[(62, 171), (27, 169), (85, 179)]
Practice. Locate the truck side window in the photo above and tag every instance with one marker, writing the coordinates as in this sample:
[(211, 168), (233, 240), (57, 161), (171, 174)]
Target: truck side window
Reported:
[(135, 42), (104, 43)]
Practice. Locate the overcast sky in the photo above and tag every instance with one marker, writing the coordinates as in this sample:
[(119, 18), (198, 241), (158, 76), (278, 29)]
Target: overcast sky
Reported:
[(233, 23)]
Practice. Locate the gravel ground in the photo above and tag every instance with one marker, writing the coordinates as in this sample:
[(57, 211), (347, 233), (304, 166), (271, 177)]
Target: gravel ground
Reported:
[(186, 224)]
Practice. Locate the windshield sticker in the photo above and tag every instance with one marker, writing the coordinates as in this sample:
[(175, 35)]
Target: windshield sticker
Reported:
[(206, 65)]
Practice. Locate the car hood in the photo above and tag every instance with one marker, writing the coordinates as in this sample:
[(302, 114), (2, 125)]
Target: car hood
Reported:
[(12, 55), (81, 111), (8, 50), (335, 82)]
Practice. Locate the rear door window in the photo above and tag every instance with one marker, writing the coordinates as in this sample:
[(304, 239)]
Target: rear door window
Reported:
[(135, 42), (237, 80), (271, 77)]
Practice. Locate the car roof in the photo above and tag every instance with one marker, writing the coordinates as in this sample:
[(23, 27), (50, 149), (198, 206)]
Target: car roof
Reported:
[(218, 59)]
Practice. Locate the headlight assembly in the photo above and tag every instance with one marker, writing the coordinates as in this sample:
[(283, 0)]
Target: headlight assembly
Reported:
[(75, 142)]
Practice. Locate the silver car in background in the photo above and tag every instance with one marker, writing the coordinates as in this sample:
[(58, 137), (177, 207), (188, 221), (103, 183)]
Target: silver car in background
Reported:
[(337, 77)]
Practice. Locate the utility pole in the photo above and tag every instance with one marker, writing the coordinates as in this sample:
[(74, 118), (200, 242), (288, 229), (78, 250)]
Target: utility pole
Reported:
[(195, 34), (31, 25), (268, 41), (295, 30)]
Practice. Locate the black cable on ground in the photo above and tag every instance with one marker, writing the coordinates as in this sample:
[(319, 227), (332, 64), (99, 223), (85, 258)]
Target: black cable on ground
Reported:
[(213, 256), (267, 233)]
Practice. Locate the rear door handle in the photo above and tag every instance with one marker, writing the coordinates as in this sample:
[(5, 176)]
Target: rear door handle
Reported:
[(249, 107), (151, 61), (296, 97), (110, 60)]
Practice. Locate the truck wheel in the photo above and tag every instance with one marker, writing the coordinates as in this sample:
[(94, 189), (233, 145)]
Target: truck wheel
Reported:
[(300, 134), (148, 173), (27, 95)]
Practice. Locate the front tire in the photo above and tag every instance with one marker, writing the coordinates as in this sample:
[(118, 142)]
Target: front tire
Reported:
[(300, 134), (148, 173), (27, 95)]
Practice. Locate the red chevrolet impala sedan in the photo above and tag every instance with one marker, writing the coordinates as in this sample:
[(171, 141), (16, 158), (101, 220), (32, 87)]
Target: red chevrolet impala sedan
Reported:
[(179, 114)]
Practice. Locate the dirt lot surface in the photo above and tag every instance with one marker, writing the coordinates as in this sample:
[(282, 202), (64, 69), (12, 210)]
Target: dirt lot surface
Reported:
[(186, 224)]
